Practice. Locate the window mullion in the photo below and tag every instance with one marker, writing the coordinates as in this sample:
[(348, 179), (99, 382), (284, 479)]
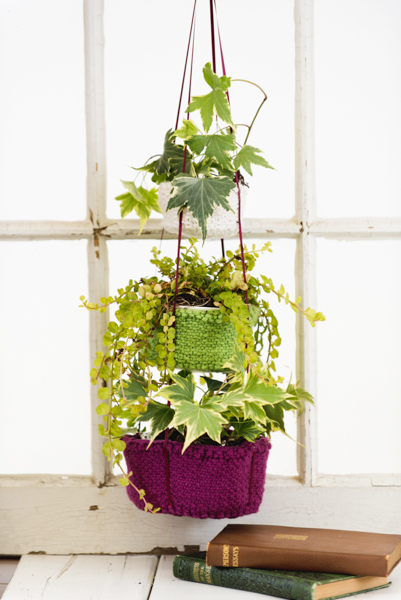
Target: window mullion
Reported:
[(306, 244), (96, 201)]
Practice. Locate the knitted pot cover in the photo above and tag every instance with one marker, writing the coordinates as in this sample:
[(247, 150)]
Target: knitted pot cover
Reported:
[(203, 341), (222, 223), (206, 482)]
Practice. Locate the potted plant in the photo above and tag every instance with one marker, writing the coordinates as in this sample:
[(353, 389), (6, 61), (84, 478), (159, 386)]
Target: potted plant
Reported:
[(206, 450), (197, 172)]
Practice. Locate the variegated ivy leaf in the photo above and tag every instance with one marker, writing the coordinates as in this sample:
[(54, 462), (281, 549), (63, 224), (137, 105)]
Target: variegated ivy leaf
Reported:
[(214, 385), (183, 390), (237, 364), (299, 396), (253, 409), (218, 147), (275, 415), (214, 403), (248, 155), (140, 199), (177, 165), (170, 151), (200, 196), (143, 213), (264, 393), (233, 398), (160, 416), (214, 102), (188, 129), (247, 430), (198, 420)]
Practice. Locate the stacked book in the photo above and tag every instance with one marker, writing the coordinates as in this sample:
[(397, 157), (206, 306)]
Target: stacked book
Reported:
[(294, 562)]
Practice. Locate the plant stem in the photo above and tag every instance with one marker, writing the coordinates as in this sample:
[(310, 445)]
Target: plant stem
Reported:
[(262, 103), (254, 118), (252, 83)]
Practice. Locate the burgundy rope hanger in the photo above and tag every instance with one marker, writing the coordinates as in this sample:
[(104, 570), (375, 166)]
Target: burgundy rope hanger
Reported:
[(213, 9), (236, 173), (223, 66), (191, 38)]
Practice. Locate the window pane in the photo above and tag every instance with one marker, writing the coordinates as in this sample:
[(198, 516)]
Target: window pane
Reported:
[(359, 357), (143, 81), (358, 98), (130, 259), (42, 110), (44, 358)]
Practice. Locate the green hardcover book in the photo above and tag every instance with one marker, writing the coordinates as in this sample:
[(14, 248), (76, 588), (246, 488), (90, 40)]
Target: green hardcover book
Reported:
[(293, 585)]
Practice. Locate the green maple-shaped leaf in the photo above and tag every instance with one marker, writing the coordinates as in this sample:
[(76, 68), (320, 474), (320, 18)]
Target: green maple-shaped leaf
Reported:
[(198, 420), (247, 429), (182, 391), (248, 155), (160, 416), (188, 129), (200, 196), (214, 102), (170, 151), (218, 148), (267, 394)]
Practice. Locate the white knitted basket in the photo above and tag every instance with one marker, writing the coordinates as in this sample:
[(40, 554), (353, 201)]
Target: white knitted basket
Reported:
[(222, 223)]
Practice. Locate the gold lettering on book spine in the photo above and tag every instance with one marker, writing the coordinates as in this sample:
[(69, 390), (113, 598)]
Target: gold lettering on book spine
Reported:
[(196, 571), (226, 555), (235, 556), (285, 536), (207, 574)]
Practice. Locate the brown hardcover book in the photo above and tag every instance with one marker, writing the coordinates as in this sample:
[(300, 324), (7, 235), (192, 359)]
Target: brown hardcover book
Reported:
[(301, 549)]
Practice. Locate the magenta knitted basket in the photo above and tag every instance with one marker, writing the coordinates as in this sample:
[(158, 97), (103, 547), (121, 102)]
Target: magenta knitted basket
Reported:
[(206, 482)]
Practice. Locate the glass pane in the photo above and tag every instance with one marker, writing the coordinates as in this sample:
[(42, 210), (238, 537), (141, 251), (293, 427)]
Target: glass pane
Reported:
[(44, 358), (42, 110), (130, 259), (358, 95), (143, 86), (359, 357)]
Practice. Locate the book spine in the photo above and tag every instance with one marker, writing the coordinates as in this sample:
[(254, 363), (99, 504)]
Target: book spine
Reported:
[(196, 570), (226, 555)]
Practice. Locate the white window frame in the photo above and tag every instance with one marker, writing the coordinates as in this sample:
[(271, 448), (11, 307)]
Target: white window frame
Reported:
[(78, 514)]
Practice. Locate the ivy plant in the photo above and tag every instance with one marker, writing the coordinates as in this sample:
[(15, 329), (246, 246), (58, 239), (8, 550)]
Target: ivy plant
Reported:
[(200, 165), (137, 373)]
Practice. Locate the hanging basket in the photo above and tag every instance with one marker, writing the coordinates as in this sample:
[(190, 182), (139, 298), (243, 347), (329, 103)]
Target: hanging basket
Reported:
[(222, 223), (206, 482)]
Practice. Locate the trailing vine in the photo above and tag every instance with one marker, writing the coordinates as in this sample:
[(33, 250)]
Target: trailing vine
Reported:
[(137, 374)]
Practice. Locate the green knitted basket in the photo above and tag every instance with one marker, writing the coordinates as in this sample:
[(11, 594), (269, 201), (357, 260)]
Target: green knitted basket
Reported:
[(203, 341)]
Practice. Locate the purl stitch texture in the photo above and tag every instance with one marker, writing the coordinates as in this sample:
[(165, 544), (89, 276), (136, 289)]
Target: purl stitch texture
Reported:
[(206, 482), (203, 341)]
